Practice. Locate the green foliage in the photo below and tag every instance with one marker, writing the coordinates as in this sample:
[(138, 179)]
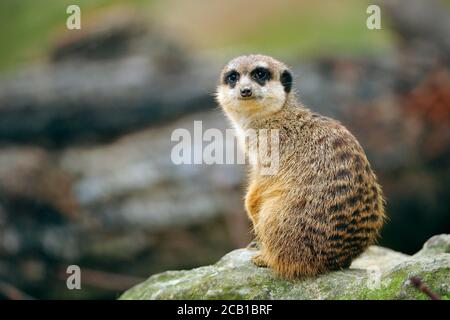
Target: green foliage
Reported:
[(27, 26), (318, 31)]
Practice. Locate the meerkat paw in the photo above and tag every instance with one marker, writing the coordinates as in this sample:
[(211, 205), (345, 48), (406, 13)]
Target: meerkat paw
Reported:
[(259, 261), (253, 245)]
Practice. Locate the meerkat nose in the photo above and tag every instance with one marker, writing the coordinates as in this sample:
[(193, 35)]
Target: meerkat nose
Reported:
[(246, 92)]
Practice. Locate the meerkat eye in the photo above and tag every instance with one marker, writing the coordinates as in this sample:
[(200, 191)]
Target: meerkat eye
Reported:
[(231, 77), (260, 75)]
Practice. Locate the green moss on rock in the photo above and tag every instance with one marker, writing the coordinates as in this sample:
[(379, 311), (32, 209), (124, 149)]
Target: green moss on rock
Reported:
[(379, 273)]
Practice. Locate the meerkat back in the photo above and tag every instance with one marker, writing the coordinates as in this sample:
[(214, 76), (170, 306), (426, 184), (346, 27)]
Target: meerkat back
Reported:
[(322, 207)]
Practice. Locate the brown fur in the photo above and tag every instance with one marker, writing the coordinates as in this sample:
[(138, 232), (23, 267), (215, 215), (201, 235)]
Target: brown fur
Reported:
[(324, 206)]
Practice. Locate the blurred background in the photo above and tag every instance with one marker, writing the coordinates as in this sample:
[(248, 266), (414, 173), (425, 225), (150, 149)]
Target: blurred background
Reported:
[(86, 118)]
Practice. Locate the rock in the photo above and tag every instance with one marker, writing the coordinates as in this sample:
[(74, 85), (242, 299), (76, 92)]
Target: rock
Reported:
[(134, 181), (379, 273), (106, 205), (97, 101), (414, 21), (435, 245), (111, 35)]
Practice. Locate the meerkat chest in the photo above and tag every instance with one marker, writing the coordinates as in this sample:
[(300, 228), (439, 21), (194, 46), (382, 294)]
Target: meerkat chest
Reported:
[(261, 148)]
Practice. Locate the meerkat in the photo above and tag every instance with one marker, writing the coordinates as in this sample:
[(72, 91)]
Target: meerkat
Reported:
[(323, 206)]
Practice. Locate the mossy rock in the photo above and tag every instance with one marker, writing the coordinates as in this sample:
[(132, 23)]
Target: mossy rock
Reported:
[(379, 273)]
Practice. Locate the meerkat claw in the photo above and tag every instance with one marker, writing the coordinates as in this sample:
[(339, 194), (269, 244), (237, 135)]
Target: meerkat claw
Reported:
[(258, 261)]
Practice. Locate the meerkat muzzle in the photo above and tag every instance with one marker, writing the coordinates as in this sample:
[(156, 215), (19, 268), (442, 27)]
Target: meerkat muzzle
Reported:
[(246, 92)]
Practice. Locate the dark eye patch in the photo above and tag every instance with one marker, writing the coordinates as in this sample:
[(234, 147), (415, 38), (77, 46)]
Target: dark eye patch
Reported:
[(231, 77), (261, 75), (286, 80)]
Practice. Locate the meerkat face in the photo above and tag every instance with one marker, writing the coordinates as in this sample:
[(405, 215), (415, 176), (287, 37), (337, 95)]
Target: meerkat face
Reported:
[(254, 85)]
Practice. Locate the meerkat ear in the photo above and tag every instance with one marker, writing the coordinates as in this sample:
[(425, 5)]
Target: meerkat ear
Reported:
[(286, 80)]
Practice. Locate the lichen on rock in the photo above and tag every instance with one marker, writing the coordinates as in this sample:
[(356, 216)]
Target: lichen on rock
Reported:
[(379, 273)]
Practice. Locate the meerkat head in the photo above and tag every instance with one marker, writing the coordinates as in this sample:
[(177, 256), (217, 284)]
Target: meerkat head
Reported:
[(253, 86)]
